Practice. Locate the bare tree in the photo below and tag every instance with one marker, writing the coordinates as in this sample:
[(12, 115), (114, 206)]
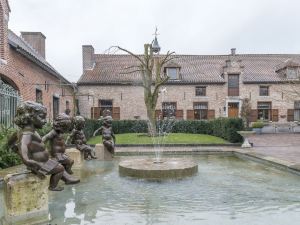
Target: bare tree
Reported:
[(151, 69), (246, 111)]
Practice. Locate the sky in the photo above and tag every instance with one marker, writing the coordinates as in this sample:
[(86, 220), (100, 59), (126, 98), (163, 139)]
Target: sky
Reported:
[(198, 27)]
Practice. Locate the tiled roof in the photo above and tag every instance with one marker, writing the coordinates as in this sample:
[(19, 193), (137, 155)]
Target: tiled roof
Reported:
[(19, 43), (110, 69)]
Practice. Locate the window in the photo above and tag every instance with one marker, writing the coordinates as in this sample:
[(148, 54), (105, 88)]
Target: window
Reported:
[(264, 110), (55, 106), (67, 108), (264, 91), (233, 85), (62, 92), (297, 110), (200, 91), (172, 73), (291, 73), (38, 96), (105, 106), (169, 109), (200, 110)]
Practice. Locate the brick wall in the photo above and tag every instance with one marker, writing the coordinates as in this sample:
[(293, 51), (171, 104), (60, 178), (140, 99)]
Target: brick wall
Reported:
[(131, 101), (26, 76)]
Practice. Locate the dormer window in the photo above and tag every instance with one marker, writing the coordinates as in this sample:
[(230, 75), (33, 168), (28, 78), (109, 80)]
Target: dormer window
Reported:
[(291, 73), (172, 73)]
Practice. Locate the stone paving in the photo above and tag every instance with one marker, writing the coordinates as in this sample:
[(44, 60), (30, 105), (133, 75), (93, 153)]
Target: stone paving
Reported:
[(282, 146)]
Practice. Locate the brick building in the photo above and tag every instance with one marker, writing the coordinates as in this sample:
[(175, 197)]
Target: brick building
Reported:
[(200, 86), (24, 69)]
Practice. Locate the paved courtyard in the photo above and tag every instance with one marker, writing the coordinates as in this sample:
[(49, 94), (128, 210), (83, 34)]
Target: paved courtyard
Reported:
[(282, 146)]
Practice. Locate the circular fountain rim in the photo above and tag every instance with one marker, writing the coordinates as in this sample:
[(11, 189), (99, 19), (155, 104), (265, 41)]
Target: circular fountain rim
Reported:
[(146, 168)]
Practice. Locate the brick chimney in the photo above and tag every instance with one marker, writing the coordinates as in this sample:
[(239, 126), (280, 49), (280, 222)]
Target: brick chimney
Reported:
[(36, 40), (233, 51), (88, 57)]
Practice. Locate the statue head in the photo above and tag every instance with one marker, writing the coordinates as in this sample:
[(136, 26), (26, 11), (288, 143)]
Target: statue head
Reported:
[(31, 113), (79, 122), (107, 121), (62, 122)]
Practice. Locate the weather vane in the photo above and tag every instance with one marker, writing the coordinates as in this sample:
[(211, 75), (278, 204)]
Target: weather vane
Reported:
[(156, 32)]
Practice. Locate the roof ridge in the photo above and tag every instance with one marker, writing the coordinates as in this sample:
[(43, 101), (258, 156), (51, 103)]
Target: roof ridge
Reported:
[(212, 55), (25, 42)]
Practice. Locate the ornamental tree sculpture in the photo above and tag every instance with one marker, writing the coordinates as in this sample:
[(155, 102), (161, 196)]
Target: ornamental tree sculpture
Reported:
[(151, 69)]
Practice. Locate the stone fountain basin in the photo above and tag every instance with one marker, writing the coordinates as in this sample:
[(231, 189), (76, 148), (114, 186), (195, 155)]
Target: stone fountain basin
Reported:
[(166, 168)]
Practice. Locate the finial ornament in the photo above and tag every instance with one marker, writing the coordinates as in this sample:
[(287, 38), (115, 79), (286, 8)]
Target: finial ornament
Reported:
[(155, 45)]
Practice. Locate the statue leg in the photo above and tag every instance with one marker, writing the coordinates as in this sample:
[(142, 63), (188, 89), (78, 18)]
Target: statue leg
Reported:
[(68, 165), (68, 179), (56, 175)]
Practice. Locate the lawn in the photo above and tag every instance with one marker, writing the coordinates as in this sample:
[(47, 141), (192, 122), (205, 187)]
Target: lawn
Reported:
[(175, 138)]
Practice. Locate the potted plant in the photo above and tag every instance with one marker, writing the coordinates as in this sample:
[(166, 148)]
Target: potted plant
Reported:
[(257, 126)]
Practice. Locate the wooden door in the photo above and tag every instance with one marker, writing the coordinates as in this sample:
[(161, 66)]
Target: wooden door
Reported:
[(233, 110)]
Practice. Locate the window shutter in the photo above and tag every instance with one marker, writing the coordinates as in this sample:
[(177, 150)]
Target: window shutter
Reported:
[(179, 114), (189, 114), (116, 113), (95, 113), (158, 114), (253, 115), (290, 115), (275, 115), (211, 114)]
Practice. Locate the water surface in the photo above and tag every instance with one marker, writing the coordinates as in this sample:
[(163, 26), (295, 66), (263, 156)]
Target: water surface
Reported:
[(226, 190)]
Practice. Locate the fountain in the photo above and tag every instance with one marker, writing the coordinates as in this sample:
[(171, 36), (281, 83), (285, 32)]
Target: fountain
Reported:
[(158, 167)]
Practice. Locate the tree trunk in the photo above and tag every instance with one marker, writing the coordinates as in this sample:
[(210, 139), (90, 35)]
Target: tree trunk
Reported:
[(152, 121)]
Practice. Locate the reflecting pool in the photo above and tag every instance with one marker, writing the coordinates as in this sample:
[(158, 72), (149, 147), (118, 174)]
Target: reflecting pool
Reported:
[(226, 190)]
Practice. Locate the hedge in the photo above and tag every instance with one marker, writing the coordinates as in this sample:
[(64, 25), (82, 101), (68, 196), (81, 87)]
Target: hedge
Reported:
[(222, 127)]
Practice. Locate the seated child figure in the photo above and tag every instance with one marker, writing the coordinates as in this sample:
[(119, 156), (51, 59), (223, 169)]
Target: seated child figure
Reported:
[(108, 137), (78, 138), (29, 117), (61, 124)]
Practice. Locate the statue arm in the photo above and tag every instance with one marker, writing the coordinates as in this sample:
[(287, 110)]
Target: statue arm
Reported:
[(70, 137), (98, 130), (26, 140), (48, 136), (113, 136)]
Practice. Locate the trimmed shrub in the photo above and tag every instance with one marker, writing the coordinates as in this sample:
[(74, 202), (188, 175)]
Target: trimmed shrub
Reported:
[(222, 127), (8, 157)]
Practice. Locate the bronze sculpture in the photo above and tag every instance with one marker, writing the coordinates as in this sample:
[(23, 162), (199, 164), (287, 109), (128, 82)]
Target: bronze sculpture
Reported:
[(61, 124), (29, 117), (78, 138), (108, 136)]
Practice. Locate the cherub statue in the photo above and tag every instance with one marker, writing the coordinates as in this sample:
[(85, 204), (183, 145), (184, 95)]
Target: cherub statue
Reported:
[(61, 124), (108, 136), (78, 138), (29, 117)]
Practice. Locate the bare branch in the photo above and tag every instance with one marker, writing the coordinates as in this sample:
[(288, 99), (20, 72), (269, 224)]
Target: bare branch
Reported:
[(132, 54)]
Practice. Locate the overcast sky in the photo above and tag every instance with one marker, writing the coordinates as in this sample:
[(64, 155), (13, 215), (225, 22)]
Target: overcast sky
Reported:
[(185, 26)]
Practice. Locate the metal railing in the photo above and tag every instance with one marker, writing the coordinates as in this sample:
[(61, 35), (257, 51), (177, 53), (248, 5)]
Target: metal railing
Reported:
[(9, 100)]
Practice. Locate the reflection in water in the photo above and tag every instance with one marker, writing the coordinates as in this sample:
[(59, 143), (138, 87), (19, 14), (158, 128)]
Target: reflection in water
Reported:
[(226, 190)]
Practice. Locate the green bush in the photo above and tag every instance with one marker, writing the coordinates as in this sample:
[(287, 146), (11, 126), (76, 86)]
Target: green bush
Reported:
[(257, 124), (222, 127), (8, 157), (45, 130)]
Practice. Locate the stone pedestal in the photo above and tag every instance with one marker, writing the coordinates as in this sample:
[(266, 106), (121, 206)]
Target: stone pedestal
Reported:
[(76, 155), (102, 153), (246, 135), (25, 199)]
